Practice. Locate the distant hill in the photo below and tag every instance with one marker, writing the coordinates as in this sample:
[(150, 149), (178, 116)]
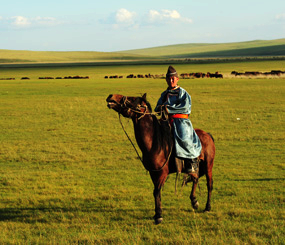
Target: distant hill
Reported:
[(24, 56), (210, 50), (257, 48)]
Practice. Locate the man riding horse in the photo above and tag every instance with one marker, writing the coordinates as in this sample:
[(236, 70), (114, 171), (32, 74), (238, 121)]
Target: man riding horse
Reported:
[(156, 146), (177, 103)]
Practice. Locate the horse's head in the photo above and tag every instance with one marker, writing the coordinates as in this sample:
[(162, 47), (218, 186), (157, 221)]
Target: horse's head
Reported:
[(128, 106)]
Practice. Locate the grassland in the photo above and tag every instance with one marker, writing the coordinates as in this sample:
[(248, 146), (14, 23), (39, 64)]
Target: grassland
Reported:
[(25, 56), (206, 50), (241, 50), (69, 175)]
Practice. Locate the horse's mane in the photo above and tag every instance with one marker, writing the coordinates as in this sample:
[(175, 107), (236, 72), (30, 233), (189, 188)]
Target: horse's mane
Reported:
[(162, 135), (162, 132), (148, 105)]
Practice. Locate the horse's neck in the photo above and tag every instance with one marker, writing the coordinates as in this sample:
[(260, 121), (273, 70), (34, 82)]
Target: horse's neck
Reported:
[(144, 131)]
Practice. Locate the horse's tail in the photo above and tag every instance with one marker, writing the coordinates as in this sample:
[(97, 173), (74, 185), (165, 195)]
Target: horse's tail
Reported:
[(211, 136)]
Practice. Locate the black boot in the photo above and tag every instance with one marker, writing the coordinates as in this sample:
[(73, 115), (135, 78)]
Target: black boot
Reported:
[(192, 166)]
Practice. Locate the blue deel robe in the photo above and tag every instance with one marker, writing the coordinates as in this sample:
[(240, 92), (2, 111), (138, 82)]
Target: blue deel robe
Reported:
[(187, 142)]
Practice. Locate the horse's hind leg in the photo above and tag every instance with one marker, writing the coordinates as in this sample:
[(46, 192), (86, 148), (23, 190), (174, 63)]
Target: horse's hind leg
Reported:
[(210, 188)]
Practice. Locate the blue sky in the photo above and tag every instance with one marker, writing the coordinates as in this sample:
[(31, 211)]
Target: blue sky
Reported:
[(114, 25)]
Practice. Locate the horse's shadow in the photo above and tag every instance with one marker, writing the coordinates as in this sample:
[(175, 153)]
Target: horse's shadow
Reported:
[(261, 179), (36, 214), (27, 214)]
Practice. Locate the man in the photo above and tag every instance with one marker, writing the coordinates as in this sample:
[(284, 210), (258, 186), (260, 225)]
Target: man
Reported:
[(177, 103)]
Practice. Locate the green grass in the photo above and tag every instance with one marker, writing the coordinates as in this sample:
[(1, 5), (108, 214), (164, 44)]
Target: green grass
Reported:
[(25, 56), (205, 50), (69, 175), (257, 48)]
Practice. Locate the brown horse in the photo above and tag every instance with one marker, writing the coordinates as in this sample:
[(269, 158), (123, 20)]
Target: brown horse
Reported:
[(155, 141)]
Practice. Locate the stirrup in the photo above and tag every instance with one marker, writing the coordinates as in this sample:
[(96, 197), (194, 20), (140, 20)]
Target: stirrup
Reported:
[(193, 166)]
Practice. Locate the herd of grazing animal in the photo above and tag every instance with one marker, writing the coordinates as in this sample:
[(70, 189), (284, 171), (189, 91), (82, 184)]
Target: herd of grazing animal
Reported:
[(182, 75), (202, 75), (257, 73), (136, 76), (205, 75), (66, 77), (8, 78)]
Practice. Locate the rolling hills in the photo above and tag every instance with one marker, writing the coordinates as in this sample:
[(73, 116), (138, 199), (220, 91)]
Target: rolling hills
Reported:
[(257, 48), (197, 50)]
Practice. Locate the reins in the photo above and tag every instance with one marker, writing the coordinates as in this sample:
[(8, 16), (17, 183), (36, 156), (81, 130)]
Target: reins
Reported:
[(129, 137), (143, 114)]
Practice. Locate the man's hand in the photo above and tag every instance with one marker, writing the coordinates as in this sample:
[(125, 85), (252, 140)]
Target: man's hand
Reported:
[(159, 108)]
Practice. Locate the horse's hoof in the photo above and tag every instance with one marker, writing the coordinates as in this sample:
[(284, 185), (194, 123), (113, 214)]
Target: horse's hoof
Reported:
[(158, 220), (194, 202), (207, 210), (195, 205)]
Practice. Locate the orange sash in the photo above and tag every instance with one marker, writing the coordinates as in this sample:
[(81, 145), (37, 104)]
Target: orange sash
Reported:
[(185, 116)]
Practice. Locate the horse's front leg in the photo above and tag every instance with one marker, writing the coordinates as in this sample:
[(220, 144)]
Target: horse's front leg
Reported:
[(158, 210), (158, 180), (194, 202)]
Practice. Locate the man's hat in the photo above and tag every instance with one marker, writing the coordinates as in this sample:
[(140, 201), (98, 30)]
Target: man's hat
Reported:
[(171, 72)]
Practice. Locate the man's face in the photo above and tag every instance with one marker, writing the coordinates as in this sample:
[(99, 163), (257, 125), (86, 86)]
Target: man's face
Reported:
[(172, 81)]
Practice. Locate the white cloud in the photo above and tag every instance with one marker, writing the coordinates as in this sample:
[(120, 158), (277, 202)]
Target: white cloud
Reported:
[(164, 15), (45, 21), (280, 17), (122, 18), (125, 16), (20, 21), (154, 15), (24, 22), (171, 14)]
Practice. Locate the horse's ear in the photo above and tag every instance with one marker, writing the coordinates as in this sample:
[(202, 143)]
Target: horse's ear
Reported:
[(144, 96)]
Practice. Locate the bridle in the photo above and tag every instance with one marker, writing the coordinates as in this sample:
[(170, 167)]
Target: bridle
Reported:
[(127, 104), (137, 110)]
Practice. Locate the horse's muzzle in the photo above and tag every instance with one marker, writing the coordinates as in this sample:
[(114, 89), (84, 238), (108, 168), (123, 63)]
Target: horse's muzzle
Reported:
[(111, 103)]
